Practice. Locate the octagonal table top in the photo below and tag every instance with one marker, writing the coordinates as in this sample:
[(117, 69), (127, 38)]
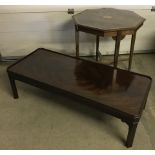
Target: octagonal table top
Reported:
[(108, 19)]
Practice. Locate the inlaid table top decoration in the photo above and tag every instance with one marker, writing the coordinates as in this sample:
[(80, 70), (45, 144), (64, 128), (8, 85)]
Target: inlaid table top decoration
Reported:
[(120, 93), (108, 22)]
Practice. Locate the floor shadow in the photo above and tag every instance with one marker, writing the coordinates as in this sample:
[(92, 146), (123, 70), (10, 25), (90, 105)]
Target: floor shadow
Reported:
[(76, 106)]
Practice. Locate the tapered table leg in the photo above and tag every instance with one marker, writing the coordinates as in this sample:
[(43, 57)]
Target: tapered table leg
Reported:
[(131, 50), (97, 47), (131, 133), (77, 41), (117, 46), (13, 86)]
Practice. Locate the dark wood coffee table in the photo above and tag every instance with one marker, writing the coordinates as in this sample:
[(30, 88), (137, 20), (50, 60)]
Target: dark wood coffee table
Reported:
[(117, 92), (109, 22)]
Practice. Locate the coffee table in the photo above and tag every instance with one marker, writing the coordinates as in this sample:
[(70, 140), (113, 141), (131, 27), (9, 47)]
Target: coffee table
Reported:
[(109, 22), (114, 91)]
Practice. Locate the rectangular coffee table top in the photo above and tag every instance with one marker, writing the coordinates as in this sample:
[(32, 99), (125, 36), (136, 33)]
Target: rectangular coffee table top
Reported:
[(122, 91)]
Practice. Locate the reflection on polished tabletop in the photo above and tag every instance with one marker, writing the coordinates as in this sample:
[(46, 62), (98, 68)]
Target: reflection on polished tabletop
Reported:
[(103, 84)]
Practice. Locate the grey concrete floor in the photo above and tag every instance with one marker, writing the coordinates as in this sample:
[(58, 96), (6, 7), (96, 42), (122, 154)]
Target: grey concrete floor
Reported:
[(43, 120)]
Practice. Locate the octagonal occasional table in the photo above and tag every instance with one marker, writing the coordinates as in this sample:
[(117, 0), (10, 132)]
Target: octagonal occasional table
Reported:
[(108, 22)]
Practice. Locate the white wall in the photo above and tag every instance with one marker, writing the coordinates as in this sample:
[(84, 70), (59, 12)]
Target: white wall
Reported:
[(25, 28)]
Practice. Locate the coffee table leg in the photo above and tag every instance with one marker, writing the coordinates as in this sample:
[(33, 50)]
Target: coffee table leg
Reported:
[(131, 133), (131, 49), (97, 47), (13, 86), (117, 46), (77, 41)]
